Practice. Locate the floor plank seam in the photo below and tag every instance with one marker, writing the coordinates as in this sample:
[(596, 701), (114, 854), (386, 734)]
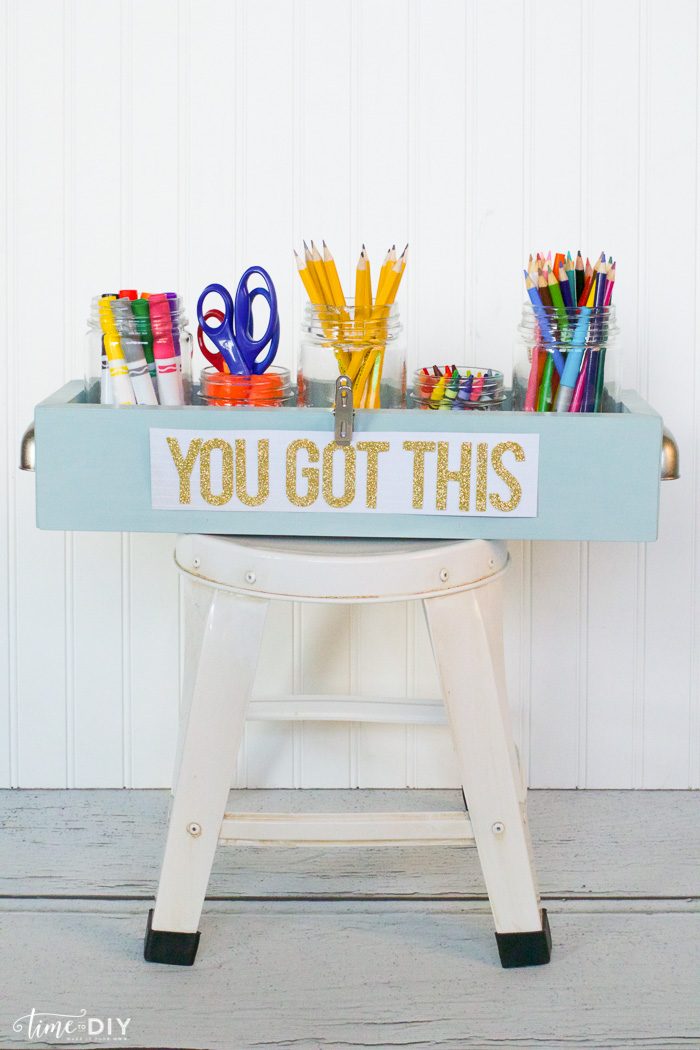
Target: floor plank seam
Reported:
[(345, 898)]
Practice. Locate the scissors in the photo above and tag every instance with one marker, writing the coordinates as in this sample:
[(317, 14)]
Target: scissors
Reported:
[(237, 349)]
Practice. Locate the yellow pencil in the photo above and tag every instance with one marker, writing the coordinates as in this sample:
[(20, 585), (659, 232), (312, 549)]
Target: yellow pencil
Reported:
[(363, 306), (319, 272), (389, 260), (394, 280), (363, 288), (338, 297), (362, 376), (388, 295), (317, 298), (308, 280), (368, 278)]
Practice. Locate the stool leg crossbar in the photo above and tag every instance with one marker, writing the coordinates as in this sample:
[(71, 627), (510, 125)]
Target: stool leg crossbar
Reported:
[(466, 632)]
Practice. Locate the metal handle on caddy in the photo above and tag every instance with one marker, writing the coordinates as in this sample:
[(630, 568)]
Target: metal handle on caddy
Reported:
[(670, 457), (27, 451), (343, 410)]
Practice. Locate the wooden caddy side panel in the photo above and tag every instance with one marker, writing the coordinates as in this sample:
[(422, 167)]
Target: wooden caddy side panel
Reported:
[(598, 475)]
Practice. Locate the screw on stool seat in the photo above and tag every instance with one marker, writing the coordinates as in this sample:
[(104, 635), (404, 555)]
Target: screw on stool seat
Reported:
[(229, 583)]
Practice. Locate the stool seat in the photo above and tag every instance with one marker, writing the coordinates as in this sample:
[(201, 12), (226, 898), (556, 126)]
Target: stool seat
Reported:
[(340, 570)]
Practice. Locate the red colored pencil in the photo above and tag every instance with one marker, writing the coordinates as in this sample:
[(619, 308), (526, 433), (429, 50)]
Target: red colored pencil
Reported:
[(588, 281)]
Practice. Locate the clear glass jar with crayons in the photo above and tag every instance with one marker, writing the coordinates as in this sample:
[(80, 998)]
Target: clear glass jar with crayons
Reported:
[(367, 344), (567, 364), (138, 350), (457, 387)]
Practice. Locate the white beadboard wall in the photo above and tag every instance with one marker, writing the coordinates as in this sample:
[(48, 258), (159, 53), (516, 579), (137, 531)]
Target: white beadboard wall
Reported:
[(167, 144)]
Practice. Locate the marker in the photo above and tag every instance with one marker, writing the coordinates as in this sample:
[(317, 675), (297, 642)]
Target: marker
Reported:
[(132, 348), (173, 303), (575, 355), (170, 389), (105, 380), (123, 393), (142, 319), (581, 383)]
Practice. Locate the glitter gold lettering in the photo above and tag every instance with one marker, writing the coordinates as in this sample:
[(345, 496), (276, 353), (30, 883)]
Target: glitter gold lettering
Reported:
[(516, 490), (310, 473), (226, 472), (263, 473), (482, 463), (419, 449), (349, 476), (463, 475), (184, 464), (372, 448)]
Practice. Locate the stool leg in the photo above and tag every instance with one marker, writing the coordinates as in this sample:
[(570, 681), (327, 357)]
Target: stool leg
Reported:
[(198, 599), (221, 686), (466, 630)]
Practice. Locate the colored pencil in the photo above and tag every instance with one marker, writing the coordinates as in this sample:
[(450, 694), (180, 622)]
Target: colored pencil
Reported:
[(567, 356)]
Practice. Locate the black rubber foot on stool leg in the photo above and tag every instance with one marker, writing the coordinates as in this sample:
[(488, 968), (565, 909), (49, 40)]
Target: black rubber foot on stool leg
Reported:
[(526, 949), (166, 946)]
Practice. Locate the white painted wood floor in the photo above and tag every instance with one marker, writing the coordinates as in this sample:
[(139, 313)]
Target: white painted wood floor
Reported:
[(351, 948)]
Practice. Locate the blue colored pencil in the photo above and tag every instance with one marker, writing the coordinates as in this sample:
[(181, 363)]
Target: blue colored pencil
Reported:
[(565, 288), (543, 322)]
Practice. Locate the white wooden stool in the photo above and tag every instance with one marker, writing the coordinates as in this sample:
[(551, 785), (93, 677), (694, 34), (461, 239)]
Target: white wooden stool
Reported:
[(230, 582)]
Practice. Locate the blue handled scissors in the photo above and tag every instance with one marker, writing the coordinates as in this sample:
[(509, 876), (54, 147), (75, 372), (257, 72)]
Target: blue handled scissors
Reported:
[(234, 339)]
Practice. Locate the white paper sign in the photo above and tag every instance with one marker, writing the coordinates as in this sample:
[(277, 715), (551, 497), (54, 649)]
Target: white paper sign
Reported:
[(392, 472)]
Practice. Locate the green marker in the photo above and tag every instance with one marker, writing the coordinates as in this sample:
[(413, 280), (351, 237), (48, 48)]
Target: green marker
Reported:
[(544, 400), (142, 318)]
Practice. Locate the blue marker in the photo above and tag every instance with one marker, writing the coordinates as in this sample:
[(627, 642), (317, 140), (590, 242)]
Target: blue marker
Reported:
[(574, 356)]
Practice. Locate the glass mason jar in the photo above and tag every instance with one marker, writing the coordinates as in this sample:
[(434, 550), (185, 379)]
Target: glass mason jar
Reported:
[(271, 389), (457, 387), (370, 349), (138, 351), (567, 361)]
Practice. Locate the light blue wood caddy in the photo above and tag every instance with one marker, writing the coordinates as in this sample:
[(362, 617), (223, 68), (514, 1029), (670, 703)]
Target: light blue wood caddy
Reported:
[(598, 475)]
